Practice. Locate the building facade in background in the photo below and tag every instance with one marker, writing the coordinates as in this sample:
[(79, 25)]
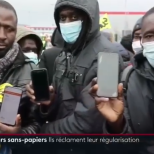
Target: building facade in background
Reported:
[(120, 21), (122, 15), (42, 31)]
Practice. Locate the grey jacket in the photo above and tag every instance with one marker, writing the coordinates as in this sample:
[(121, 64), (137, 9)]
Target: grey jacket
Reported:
[(19, 76), (75, 108)]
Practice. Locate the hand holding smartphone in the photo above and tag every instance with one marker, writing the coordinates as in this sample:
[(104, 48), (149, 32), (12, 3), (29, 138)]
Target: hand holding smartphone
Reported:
[(10, 105), (108, 74), (40, 85)]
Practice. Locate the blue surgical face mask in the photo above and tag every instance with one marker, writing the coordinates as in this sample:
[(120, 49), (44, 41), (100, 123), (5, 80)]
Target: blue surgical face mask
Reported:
[(32, 56), (148, 52), (71, 31)]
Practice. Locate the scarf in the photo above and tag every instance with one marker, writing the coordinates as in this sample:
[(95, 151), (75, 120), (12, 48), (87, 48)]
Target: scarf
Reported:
[(8, 59)]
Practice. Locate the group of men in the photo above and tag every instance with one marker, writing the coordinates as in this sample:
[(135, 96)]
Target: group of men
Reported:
[(74, 107)]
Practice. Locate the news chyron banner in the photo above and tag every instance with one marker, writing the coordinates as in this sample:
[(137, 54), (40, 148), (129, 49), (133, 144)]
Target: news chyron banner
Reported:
[(105, 22), (71, 140)]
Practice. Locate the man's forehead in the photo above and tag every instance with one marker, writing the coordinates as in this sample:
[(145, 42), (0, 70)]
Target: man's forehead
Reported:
[(29, 40), (138, 32), (148, 24), (148, 20), (7, 15), (68, 8)]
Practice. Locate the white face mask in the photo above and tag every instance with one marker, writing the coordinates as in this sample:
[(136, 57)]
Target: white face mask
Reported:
[(136, 46), (32, 56), (71, 31), (148, 52)]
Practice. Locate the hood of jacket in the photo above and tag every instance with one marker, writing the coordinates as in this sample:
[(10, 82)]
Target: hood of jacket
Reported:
[(57, 39), (126, 55), (137, 26), (107, 35), (24, 32), (90, 7)]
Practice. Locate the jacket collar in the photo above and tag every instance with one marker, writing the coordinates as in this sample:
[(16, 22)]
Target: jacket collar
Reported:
[(143, 67), (20, 59)]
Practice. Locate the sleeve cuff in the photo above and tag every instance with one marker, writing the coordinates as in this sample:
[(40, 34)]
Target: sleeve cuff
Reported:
[(106, 130)]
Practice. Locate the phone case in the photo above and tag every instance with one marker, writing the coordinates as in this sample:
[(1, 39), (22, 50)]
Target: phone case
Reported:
[(36, 89), (108, 74), (12, 91)]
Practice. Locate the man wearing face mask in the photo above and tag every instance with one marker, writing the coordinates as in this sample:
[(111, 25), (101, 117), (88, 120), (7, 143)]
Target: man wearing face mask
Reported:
[(72, 110), (30, 43), (138, 116), (136, 44)]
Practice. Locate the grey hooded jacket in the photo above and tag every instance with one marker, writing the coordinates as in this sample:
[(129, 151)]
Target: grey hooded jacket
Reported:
[(74, 108)]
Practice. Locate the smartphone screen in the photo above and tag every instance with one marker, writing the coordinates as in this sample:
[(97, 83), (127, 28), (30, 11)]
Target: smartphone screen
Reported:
[(108, 74), (10, 105), (40, 84)]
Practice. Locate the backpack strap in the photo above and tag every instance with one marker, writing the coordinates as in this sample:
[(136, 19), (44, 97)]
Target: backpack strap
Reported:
[(125, 73), (125, 77), (126, 64), (28, 61)]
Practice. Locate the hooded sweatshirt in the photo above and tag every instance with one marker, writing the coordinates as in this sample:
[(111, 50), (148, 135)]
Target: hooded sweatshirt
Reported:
[(24, 32), (74, 110), (57, 40)]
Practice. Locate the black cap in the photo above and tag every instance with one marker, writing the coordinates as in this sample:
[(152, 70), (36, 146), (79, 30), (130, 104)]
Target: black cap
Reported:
[(137, 26)]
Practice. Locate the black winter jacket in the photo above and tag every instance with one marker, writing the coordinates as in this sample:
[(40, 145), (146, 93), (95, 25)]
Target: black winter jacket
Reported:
[(49, 56), (75, 108), (139, 106), (48, 61)]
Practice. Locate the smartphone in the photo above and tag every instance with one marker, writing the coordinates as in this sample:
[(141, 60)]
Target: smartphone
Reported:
[(10, 105), (40, 84), (108, 74)]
